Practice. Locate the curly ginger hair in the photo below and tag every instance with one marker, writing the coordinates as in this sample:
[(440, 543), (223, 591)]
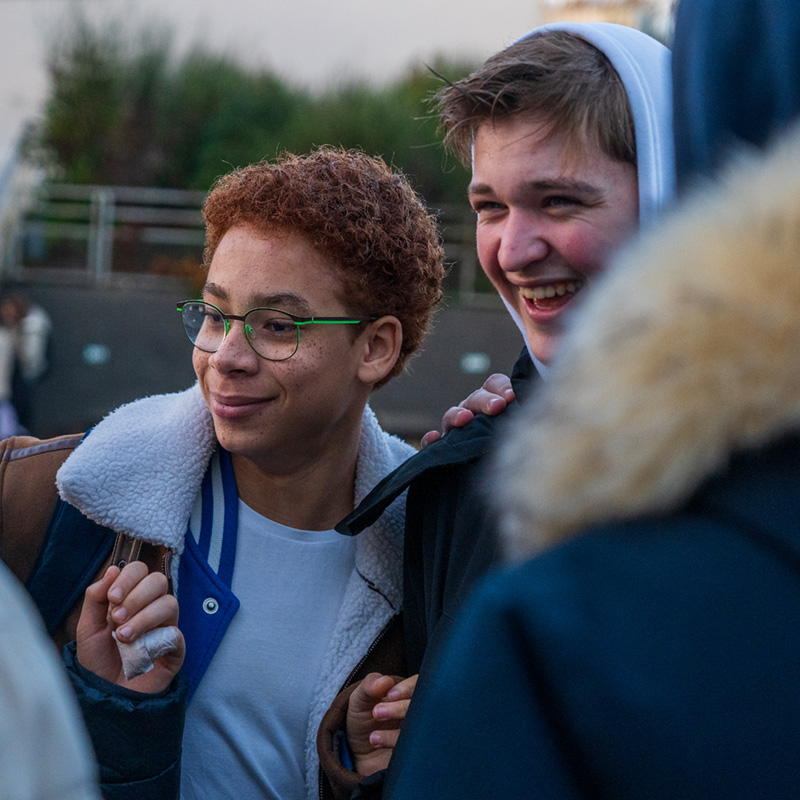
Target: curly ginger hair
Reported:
[(355, 210)]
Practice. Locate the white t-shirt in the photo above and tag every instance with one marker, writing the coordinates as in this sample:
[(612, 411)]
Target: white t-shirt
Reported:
[(246, 725)]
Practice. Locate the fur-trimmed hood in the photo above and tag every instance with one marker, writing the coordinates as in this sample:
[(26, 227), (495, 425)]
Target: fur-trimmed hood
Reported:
[(687, 351)]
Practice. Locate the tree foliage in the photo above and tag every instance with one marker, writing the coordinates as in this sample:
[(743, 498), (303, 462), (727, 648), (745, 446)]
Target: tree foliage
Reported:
[(124, 110)]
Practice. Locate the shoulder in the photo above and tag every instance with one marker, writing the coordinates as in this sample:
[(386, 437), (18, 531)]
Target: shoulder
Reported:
[(28, 466), (28, 494), (19, 448)]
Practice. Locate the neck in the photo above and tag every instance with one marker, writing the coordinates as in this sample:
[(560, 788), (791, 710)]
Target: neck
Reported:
[(312, 496)]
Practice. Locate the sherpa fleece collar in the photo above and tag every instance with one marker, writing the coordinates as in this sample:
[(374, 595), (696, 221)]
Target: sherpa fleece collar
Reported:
[(141, 467), (685, 352)]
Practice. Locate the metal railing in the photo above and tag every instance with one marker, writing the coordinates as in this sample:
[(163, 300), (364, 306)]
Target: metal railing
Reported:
[(99, 233), (103, 235)]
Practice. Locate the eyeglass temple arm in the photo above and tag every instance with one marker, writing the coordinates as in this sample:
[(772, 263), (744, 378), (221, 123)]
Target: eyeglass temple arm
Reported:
[(334, 320)]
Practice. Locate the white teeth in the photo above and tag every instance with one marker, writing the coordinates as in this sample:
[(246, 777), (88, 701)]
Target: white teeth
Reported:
[(551, 290)]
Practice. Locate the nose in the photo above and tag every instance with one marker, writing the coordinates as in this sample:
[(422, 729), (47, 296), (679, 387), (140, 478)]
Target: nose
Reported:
[(523, 241), (235, 352)]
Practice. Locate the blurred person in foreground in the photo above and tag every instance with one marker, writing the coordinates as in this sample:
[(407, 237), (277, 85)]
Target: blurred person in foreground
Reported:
[(650, 648), (322, 275), (568, 133), (46, 753)]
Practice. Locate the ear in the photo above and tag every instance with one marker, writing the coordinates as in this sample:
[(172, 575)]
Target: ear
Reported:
[(381, 343)]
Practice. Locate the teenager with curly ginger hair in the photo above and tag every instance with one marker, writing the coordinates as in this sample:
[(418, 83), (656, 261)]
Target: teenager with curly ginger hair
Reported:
[(322, 274)]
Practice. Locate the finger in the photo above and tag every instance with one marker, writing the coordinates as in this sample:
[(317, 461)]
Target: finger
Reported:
[(95, 601), (371, 689), (127, 579), (149, 589), (391, 711), (430, 437), (97, 593), (456, 417), (384, 738), (403, 689), (482, 401), (376, 685), (162, 612), (500, 384)]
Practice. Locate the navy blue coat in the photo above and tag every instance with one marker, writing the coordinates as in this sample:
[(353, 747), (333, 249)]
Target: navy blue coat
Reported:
[(654, 658)]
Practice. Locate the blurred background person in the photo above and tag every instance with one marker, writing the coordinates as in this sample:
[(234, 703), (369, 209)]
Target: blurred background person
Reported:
[(30, 327), (9, 422)]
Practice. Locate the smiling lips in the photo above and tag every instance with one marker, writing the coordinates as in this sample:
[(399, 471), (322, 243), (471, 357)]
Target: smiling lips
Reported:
[(550, 297), (235, 406)]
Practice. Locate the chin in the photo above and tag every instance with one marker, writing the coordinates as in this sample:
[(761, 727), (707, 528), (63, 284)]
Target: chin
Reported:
[(233, 441), (542, 347)]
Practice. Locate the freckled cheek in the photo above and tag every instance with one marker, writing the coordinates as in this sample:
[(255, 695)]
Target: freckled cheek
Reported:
[(200, 363), (311, 355), (300, 374)]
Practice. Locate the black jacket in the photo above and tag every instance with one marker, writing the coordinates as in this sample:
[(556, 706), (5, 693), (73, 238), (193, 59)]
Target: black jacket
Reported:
[(450, 542), (450, 538)]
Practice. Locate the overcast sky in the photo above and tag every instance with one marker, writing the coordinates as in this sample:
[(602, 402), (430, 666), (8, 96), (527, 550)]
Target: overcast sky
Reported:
[(313, 42)]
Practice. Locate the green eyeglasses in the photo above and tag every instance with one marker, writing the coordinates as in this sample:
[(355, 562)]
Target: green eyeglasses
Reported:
[(273, 334)]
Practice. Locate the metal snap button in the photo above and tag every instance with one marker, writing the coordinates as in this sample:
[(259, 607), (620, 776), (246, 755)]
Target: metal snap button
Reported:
[(210, 605)]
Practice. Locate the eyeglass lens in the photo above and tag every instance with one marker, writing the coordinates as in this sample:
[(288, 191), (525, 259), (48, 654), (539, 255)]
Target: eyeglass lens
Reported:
[(272, 334)]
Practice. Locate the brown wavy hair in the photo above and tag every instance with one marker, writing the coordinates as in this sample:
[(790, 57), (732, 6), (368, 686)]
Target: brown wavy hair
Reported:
[(556, 76), (354, 209)]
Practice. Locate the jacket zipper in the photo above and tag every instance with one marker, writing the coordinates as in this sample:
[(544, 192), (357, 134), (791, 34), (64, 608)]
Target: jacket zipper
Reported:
[(349, 680), (166, 568)]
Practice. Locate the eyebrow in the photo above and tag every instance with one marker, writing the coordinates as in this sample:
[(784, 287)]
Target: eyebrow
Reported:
[(283, 301), (540, 186)]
